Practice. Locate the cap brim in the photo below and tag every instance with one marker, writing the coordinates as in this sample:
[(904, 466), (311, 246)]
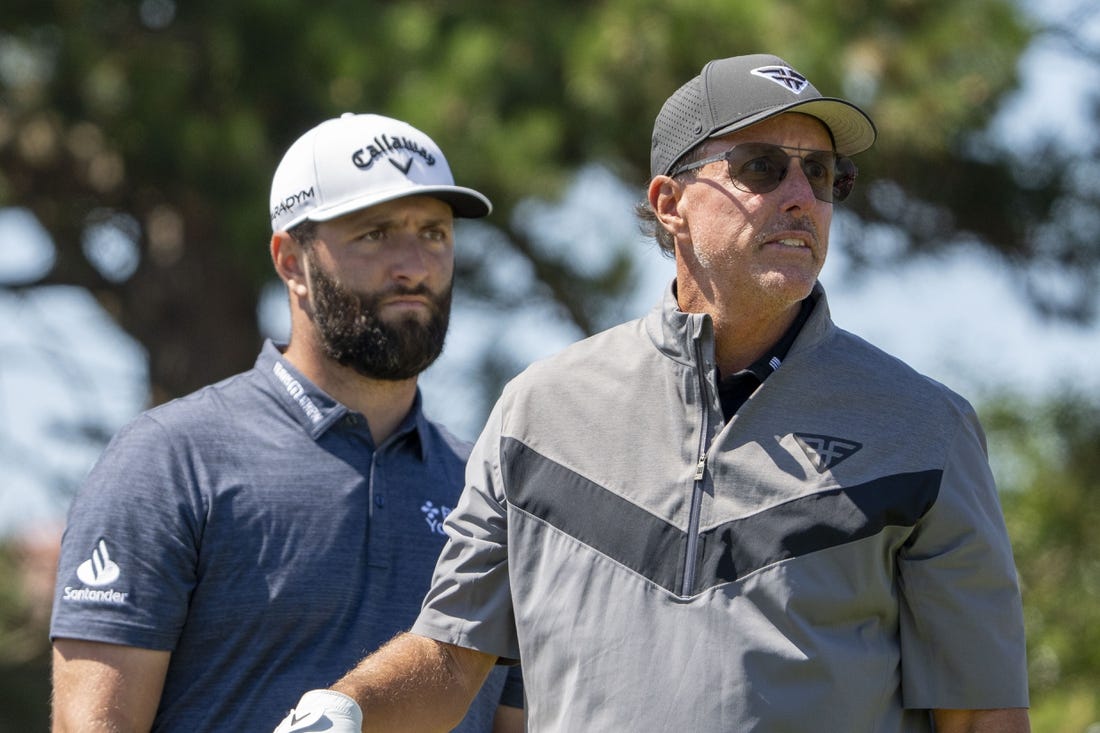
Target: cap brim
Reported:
[(852, 130), (465, 202)]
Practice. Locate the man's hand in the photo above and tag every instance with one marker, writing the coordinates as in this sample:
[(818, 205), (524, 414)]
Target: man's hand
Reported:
[(323, 710)]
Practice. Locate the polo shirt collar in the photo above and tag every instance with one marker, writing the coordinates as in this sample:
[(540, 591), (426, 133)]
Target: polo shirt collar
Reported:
[(414, 428), (316, 411)]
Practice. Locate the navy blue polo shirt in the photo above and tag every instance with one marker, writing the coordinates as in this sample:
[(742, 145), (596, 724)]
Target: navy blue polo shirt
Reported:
[(255, 530)]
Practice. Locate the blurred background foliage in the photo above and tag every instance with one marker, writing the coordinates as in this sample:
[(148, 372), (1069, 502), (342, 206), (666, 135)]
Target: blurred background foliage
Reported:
[(1048, 456), (142, 135)]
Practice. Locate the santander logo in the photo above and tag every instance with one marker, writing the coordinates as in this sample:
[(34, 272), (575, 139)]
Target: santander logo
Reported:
[(99, 570)]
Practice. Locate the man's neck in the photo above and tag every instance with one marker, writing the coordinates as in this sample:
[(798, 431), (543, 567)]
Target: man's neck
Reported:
[(744, 329), (742, 338)]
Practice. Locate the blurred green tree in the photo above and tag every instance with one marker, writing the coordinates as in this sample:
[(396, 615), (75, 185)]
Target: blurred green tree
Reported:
[(26, 573), (143, 134), (1047, 457)]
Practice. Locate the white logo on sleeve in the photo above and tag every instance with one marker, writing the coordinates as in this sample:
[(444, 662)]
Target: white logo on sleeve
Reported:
[(99, 570)]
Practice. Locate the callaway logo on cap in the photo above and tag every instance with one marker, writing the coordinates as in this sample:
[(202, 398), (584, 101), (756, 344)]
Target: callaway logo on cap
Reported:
[(355, 161)]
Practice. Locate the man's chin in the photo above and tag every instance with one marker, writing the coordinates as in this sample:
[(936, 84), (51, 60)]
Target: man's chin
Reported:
[(404, 315)]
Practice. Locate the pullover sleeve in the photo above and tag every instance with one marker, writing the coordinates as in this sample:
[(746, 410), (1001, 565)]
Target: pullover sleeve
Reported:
[(469, 603), (962, 629)]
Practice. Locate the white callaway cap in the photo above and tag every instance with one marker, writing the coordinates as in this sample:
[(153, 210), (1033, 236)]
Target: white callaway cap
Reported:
[(355, 161)]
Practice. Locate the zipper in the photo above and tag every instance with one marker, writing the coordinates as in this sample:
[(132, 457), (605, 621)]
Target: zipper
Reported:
[(690, 560)]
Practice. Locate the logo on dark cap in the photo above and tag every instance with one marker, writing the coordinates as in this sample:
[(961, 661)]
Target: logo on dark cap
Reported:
[(784, 76)]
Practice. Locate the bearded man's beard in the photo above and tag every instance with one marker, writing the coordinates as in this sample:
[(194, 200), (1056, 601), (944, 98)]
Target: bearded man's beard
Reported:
[(354, 335)]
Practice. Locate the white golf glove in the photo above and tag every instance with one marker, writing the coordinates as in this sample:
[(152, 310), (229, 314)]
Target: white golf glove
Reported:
[(323, 710)]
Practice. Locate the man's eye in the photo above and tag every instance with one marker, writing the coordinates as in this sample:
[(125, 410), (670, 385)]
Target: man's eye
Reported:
[(816, 170), (759, 166)]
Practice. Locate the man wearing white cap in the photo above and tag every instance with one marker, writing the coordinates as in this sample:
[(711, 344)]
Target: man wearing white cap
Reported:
[(251, 541), (729, 515)]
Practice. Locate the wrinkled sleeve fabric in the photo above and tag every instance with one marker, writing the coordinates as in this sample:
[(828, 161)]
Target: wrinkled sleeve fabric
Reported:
[(962, 629), (133, 527), (469, 603)]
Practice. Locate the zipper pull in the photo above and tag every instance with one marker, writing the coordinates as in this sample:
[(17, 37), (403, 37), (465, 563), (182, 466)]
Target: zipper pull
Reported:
[(700, 466)]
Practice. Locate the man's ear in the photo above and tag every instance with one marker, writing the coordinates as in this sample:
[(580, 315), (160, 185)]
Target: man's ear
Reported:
[(664, 199), (290, 262)]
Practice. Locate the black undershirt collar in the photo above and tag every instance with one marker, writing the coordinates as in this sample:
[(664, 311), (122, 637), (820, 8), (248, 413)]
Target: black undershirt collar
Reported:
[(739, 386)]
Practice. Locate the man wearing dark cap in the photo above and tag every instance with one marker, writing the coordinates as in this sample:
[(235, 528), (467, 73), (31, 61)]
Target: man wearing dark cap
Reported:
[(729, 515), (251, 541)]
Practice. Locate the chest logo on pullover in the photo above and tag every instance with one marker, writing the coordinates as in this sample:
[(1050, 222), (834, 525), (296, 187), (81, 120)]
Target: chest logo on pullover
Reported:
[(826, 452)]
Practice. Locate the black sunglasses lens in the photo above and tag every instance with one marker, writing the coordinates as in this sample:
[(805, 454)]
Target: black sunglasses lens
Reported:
[(760, 167), (820, 170), (846, 172)]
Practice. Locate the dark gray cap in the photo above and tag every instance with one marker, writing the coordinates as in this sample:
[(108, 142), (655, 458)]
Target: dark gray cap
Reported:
[(733, 93)]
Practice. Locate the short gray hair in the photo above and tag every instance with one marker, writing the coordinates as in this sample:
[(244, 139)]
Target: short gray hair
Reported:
[(647, 217)]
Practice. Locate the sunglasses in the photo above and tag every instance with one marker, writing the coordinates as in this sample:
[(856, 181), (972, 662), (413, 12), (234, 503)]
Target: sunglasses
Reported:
[(761, 167)]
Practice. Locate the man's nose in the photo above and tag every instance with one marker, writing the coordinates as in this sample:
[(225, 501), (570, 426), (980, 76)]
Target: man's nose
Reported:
[(796, 185)]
